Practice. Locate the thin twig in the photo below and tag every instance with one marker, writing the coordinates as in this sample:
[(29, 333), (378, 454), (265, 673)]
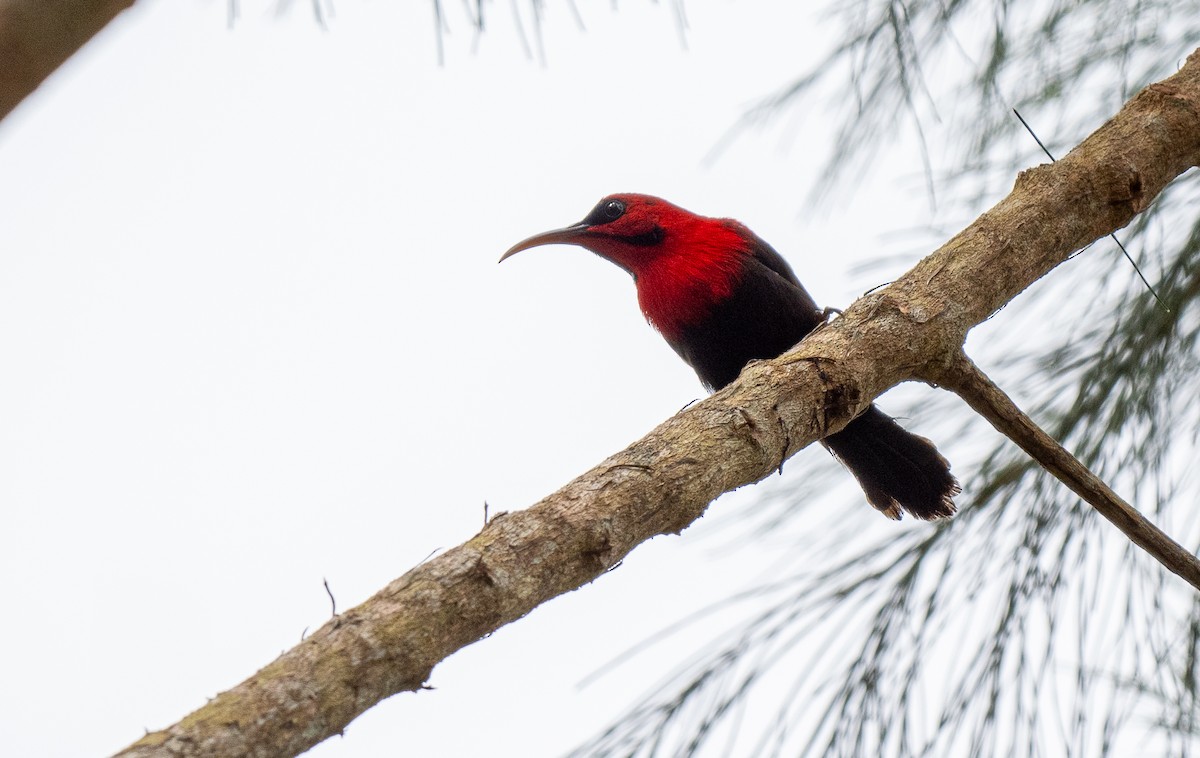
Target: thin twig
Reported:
[(966, 380), (439, 28), (332, 600)]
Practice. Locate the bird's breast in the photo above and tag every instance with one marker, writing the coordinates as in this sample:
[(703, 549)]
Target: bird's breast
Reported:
[(718, 330), (675, 295)]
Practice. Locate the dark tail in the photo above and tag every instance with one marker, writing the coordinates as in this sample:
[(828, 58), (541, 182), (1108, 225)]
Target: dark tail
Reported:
[(898, 470)]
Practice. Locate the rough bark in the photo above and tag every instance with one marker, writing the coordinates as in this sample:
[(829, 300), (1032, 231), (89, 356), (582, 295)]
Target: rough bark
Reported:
[(912, 329), (36, 36)]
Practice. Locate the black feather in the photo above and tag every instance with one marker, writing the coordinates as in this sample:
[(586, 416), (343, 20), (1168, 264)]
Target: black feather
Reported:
[(767, 313)]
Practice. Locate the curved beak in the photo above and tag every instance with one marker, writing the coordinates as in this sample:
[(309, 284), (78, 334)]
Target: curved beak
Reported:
[(568, 235)]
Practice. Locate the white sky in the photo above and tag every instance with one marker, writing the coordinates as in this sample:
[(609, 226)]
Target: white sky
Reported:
[(253, 335)]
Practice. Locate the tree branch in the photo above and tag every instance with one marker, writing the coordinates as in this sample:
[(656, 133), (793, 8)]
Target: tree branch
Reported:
[(37, 36), (965, 379), (912, 329)]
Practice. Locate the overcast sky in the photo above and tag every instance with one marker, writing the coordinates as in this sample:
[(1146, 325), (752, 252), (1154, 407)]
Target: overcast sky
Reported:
[(254, 337)]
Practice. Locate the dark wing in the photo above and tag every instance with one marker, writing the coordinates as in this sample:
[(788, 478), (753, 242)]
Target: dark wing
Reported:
[(767, 313), (766, 255)]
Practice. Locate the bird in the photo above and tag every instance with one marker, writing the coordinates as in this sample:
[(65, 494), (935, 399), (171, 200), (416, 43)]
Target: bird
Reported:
[(722, 297)]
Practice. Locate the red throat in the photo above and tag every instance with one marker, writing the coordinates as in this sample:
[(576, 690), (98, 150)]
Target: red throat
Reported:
[(699, 266)]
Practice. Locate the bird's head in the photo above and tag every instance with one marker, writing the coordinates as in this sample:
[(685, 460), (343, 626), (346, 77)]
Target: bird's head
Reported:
[(682, 262), (637, 231)]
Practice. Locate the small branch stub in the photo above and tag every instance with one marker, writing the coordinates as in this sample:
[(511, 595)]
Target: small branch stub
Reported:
[(965, 379)]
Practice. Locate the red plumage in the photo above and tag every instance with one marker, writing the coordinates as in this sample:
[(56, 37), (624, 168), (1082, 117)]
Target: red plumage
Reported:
[(722, 297)]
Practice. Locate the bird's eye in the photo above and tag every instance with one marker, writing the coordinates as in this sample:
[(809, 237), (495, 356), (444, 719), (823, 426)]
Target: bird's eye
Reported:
[(606, 211)]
